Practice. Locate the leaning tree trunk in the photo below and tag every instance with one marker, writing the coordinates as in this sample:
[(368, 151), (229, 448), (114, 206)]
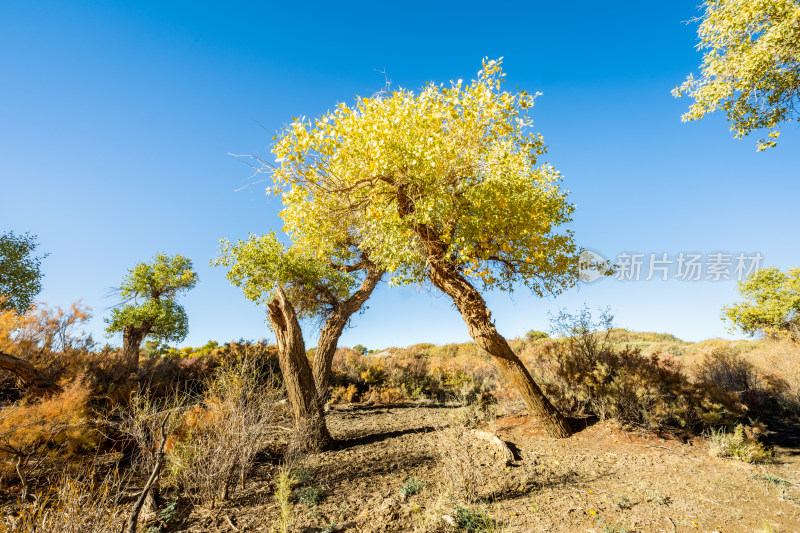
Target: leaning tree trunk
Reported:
[(26, 372), (132, 337), (330, 333), (476, 314), (309, 418)]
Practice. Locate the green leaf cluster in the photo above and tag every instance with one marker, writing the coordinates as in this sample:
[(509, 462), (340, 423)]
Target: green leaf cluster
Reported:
[(20, 271), (261, 263), (771, 304), (149, 292), (751, 66)]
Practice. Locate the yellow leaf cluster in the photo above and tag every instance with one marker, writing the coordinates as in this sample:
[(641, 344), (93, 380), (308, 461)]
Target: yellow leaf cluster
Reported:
[(466, 159)]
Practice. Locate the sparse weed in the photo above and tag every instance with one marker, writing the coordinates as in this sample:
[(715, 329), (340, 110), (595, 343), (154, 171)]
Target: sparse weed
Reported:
[(789, 497), (411, 486), (165, 516), (283, 492), (302, 475), (656, 498), (770, 478), (476, 520), (740, 444), (610, 528), (73, 504), (623, 504), (310, 496)]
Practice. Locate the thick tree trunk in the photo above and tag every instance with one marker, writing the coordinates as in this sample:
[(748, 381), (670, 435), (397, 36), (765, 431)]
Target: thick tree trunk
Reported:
[(478, 318), (301, 393), (132, 337), (330, 333), (473, 310), (26, 372)]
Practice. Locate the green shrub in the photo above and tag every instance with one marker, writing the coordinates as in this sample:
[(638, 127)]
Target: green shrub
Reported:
[(310, 496), (534, 334), (411, 486), (474, 520)]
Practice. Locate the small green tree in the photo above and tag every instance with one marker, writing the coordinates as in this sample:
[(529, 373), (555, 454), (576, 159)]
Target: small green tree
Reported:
[(149, 308), (771, 304), (292, 284), (20, 271), (751, 66)]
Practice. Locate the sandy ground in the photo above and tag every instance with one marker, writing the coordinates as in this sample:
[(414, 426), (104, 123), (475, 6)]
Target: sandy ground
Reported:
[(602, 480)]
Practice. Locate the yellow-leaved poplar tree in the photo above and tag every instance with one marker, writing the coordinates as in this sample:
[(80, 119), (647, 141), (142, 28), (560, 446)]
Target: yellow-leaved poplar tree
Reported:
[(442, 186), (751, 66)]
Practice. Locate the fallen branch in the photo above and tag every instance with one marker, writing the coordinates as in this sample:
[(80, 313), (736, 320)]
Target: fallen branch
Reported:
[(230, 523), (22, 478), (26, 372)]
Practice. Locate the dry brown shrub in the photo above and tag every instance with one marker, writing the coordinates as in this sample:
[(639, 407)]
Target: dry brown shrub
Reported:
[(48, 338), (342, 394), (219, 438), (142, 419), (728, 369), (62, 423), (759, 371), (74, 503), (468, 463), (385, 395), (651, 392), (777, 362)]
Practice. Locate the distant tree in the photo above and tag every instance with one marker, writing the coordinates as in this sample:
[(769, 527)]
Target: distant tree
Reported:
[(360, 348), (442, 186), (20, 271), (751, 66), (149, 309), (771, 304), (534, 334), (292, 284)]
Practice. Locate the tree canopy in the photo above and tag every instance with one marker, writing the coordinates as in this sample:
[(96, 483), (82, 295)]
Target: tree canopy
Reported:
[(20, 271), (149, 292), (460, 160), (771, 304), (260, 264), (444, 186), (751, 66)]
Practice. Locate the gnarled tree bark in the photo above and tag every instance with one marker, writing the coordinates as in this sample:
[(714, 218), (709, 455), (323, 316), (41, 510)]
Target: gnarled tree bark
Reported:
[(311, 431), (132, 337), (26, 372), (334, 325), (445, 276)]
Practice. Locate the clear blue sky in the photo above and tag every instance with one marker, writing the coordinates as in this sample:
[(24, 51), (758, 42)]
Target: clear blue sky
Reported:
[(117, 118)]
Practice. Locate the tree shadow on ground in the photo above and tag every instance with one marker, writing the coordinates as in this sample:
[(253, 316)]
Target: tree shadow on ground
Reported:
[(378, 437), (783, 431), (349, 408), (515, 492), (583, 422)]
